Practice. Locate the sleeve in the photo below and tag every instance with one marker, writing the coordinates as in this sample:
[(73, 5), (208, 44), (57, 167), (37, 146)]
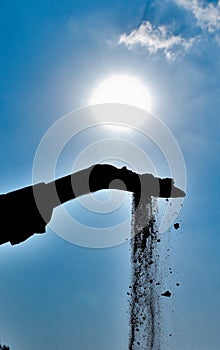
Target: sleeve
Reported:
[(20, 216)]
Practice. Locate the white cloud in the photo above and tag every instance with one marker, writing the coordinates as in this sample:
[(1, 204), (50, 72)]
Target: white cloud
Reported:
[(207, 16), (157, 39)]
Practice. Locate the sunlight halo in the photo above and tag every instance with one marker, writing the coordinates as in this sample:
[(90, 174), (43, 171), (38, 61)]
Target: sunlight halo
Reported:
[(123, 89)]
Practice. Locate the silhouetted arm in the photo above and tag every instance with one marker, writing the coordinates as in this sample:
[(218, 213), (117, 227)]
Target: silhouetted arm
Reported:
[(28, 210)]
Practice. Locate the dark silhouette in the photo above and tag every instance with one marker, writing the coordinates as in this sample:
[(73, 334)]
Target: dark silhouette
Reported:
[(28, 210), (4, 347)]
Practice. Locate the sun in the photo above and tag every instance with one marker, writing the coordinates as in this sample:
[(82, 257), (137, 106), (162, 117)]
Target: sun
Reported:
[(123, 89)]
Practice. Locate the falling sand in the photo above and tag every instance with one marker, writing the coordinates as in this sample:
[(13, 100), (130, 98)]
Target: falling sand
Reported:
[(143, 291)]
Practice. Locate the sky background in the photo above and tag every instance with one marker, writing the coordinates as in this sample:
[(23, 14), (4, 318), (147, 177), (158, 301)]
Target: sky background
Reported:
[(53, 55)]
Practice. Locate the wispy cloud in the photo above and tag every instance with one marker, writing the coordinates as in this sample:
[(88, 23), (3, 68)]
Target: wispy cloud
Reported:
[(207, 16), (157, 39)]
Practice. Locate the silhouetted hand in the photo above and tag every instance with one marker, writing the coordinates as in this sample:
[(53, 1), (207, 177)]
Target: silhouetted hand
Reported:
[(105, 176)]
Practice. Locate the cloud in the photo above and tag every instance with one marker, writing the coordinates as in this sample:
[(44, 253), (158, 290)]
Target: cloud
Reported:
[(157, 39), (207, 16)]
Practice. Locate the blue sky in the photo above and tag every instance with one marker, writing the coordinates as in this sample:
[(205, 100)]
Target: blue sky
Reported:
[(53, 55)]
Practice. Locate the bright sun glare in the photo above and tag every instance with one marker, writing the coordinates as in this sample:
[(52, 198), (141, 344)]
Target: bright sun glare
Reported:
[(123, 89)]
